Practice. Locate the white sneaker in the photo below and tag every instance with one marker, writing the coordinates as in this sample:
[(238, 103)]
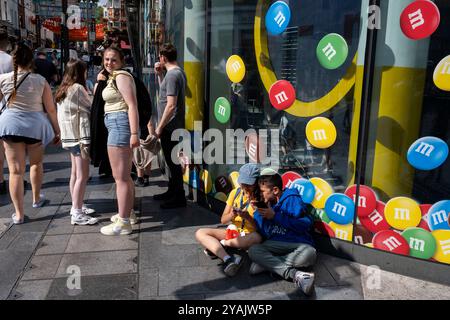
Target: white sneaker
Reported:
[(16, 220), (83, 220), (41, 202), (256, 269), (305, 281), (133, 218), (87, 210), (119, 228)]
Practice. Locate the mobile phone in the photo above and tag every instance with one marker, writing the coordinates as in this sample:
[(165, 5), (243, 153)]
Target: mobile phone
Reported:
[(260, 204)]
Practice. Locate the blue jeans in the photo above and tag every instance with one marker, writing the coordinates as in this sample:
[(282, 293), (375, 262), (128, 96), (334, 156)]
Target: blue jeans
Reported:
[(119, 132)]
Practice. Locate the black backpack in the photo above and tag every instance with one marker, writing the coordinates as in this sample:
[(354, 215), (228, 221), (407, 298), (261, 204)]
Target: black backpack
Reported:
[(144, 104)]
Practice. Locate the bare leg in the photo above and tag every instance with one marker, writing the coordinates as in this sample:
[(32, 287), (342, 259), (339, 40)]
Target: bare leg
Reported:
[(121, 162), (82, 176), (244, 242), (209, 239), (36, 154), (15, 155)]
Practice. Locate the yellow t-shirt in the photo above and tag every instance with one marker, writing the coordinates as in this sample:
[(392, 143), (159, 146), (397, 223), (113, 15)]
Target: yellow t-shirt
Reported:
[(243, 203), (114, 101)]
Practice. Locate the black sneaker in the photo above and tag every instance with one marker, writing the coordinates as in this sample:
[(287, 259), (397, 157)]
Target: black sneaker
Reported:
[(231, 267), (162, 196), (174, 203), (139, 182), (3, 188), (210, 254)]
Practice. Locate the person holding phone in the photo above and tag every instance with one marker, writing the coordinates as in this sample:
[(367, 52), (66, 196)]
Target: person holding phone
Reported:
[(238, 212), (283, 222)]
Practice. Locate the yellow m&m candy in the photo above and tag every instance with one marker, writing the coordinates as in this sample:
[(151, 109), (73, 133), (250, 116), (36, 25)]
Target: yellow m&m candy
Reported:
[(236, 69), (321, 133)]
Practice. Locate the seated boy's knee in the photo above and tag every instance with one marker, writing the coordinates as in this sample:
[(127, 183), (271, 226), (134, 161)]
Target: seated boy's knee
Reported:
[(254, 251), (310, 255)]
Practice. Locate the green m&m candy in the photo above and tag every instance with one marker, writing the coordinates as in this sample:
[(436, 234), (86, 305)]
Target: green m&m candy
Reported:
[(222, 110), (332, 51), (321, 215), (421, 242)]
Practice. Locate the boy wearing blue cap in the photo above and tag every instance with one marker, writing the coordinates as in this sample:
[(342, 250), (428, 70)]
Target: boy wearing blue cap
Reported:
[(239, 213)]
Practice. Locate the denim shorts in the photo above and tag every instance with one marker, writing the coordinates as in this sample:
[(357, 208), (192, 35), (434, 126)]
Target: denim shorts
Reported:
[(118, 125), (75, 151)]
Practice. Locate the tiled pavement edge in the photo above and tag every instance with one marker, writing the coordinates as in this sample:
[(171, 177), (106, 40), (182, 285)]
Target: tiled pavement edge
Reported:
[(160, 260)]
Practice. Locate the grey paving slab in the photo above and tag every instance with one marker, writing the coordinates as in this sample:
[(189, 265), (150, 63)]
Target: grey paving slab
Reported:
[(117, 287), (179, 236), (196, 280), (148, 282), (25, 241), (53, 245), (100, 263), (337, 293), (4, 224), (180, 297), (60, 224), (8, 237), (31, 290), (12, 264), (42, 267), (92, 242), (383, 285), (250, 295), (156, 255), (344, 272)]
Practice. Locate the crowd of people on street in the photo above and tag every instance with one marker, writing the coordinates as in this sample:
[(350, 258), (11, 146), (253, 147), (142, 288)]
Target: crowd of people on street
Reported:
[(103, 125)]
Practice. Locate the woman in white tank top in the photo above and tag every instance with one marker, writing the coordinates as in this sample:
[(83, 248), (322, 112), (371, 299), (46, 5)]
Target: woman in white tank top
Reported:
[(25, 128)]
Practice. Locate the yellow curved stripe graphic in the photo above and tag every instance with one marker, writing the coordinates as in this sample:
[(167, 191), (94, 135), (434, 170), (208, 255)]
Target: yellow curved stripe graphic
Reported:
[(268, 76)]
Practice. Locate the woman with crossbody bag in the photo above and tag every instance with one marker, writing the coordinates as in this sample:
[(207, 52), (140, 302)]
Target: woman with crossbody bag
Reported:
[(74, 108), (25, 128)]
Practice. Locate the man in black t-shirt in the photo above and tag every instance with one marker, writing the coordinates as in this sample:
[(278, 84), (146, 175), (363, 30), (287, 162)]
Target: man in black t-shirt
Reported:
[(46, 68)]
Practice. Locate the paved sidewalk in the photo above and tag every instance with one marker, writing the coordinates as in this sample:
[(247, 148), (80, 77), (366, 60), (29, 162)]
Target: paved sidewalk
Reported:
[(160, 260)]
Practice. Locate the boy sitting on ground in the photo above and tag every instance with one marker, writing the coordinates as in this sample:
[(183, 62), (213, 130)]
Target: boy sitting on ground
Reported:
[(286, 226), (239, 213)]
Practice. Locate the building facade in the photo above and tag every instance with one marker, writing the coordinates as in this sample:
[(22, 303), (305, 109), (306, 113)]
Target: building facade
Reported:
[(351, 96)]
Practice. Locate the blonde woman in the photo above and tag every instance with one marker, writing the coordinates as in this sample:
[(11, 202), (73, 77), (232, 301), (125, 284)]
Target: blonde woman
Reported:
[(122, 122), (25, 128)]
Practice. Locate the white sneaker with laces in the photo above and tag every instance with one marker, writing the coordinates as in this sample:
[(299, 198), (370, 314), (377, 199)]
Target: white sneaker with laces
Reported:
[(133, 218), (87, 210), (305, 281), (83, 220)]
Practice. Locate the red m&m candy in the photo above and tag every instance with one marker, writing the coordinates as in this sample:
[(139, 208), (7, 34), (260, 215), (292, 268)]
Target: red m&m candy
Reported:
[(420, 19), (391, 241), (282, 95)]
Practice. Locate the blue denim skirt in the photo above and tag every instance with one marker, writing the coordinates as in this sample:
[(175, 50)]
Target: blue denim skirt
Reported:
[(119, 132)]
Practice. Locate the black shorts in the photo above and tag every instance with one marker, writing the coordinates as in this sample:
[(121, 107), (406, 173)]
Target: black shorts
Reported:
[(19, 139)]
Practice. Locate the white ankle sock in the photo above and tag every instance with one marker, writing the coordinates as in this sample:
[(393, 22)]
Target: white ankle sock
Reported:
[(225, 259)]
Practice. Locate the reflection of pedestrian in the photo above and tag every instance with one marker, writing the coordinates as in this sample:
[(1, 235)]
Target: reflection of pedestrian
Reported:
[(309, 152), (288, 137), (237, 102)]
